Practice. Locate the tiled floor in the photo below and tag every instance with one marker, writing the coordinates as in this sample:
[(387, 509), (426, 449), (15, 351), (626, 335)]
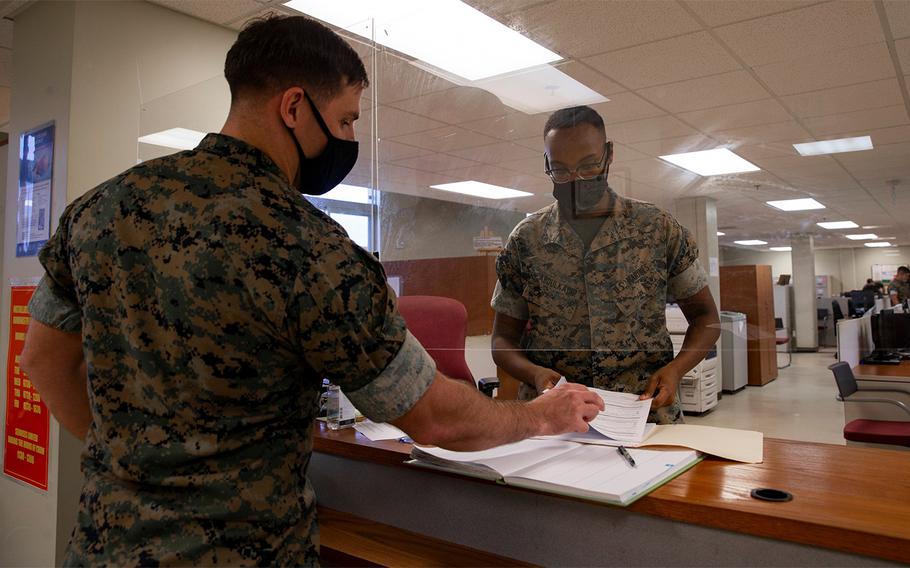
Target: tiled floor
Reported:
[(798, 405)]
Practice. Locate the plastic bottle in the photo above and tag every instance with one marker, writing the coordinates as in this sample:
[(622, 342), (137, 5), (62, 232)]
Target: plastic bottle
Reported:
[(339, 410)]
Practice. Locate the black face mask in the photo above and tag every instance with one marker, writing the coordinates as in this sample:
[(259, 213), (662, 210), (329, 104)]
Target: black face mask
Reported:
[(316, 176), (582, 197)]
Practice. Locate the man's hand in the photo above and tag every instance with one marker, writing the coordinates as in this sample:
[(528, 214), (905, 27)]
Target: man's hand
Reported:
[(662, 386), (567, 408), (545, 379)]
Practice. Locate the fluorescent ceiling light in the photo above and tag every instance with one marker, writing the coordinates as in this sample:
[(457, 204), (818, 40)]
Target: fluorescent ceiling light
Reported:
[(837, 225), (877, 245), (711, 162), (751, 243), (719, 234), (447, 34), (834, 146), (480, 189), (541, 89), (781, 249), (796, 204), (348, 193), (180, 138), (865, 237)]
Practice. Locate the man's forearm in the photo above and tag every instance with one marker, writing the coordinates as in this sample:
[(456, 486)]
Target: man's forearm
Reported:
[(65, 393)]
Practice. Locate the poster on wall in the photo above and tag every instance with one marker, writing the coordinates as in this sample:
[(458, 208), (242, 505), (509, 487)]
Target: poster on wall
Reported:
[(36, 174), (26, 438), (884, 272)]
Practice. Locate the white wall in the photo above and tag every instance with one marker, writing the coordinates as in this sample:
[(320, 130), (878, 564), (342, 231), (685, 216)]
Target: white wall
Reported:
[(848, 268), (41, 71), (94, 68)]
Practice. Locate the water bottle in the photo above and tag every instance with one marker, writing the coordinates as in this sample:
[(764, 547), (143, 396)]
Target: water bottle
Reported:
[(339, 411)]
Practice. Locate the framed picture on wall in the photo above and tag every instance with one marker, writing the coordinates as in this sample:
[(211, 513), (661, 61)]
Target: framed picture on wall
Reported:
[(36, 178)]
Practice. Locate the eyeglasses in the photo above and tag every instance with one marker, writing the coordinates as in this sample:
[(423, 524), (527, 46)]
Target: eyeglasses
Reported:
[(587, 170)]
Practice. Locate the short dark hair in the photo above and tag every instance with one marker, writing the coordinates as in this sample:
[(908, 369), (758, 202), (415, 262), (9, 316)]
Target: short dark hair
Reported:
[(903, 270), (572, 117), (279, 52)]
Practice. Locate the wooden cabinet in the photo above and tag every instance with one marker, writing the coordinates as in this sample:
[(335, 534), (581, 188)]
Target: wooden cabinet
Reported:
[(747, 289)]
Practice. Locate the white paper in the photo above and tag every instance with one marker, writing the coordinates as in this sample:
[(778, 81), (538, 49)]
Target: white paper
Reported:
[(507, 458), (624, 416), (376, 431)]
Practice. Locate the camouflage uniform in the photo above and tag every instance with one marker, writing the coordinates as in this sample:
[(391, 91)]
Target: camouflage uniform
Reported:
[(212, 299), (597, 316), (902, 289)]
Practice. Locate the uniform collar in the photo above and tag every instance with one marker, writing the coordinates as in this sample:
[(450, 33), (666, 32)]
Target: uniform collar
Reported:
[(557, 230), (238, 151)]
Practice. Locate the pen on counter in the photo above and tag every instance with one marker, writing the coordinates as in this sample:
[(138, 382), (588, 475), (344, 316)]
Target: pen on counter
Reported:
[(626, 455)]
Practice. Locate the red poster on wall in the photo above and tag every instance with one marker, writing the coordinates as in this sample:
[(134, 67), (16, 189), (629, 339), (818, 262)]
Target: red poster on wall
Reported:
[(27, 433)]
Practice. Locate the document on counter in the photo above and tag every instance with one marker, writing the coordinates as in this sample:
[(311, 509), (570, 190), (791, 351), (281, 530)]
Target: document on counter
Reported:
[(376, 431), (566, 468)]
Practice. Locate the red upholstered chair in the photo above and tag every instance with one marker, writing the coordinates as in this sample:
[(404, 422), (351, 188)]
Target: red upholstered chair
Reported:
[(440, 325), (889, 432)]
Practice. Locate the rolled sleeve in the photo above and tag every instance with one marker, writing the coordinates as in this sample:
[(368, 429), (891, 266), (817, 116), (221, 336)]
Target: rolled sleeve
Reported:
[(507, 296), (687, 283), (54, 308), (506, 301), (397, 388)]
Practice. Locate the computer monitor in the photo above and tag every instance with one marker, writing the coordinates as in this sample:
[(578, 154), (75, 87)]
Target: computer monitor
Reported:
[(893, 331)]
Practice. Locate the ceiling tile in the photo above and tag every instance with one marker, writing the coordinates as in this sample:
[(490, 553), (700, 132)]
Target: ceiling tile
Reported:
[(873, 94), (591, 78), (782, 131), (216, 11), (510, 126), (903, 53), (706, 92), (831, 26), (528, 166), (655, 128), (443, 139), (456, 105), (817, 176), (666, 61), (577, 28), (393, 122), (824, 126), (823, 70), (737, 116), (496, 153), (435, 163), (624, 107), (654, 172), (899, 17), (720, 12), (623, 153), (501, 177), (891, 135), (390, 151), (396, 79), (675, 145)]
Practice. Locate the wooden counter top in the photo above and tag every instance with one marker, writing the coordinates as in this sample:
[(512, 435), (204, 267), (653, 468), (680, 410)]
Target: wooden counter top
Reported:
[(849, 499), (901, 370)]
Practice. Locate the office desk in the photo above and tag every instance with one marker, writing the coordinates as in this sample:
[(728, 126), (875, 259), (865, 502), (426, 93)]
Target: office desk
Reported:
[(847, 502), (901, 370)]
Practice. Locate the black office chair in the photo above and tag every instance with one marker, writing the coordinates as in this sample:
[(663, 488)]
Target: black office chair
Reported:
[(891, 432), (851, 308)]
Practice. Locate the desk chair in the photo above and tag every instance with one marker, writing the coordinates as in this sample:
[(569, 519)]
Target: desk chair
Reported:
[(870, 431), (778, 325), (440, 325)]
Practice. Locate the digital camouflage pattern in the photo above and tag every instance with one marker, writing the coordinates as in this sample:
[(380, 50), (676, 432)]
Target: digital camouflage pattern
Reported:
[(902, 289), (213, 299), (598, 316)]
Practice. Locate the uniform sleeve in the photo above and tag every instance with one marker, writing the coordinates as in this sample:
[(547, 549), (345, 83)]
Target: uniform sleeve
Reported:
[(686, 276), (350, 331), (54, 302), (507, 298)]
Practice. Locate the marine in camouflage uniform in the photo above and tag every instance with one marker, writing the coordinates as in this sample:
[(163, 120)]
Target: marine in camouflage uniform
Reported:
[(597, 316), (212, 299), (901, 288)]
